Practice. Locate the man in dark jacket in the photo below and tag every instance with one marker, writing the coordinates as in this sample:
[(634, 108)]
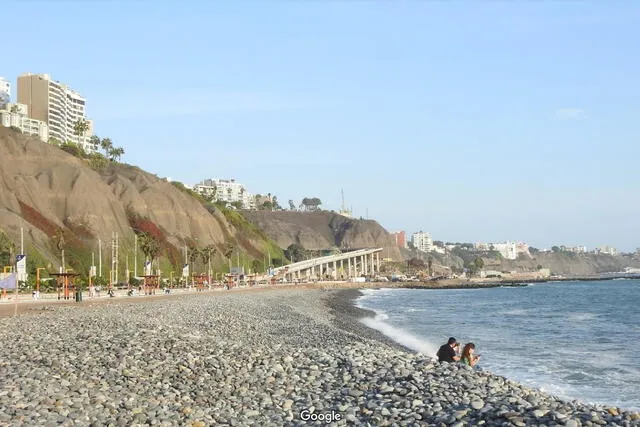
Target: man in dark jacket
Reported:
[(447, 352)]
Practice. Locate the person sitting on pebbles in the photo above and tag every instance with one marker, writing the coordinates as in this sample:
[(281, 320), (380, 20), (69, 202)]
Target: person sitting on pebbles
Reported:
[(468, 358), (448, 351)]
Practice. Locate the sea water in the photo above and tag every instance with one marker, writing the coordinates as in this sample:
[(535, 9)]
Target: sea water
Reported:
[(576, 340)]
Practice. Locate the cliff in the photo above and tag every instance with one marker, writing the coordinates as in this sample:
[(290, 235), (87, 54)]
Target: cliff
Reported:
[(323, 230), (566, 263), (43, 189)]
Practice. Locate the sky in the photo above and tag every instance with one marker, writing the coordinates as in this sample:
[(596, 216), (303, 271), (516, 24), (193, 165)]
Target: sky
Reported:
[(472, 120)]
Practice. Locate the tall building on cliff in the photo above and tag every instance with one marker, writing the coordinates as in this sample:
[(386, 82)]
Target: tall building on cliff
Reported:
[(5, 91), (56, 104)]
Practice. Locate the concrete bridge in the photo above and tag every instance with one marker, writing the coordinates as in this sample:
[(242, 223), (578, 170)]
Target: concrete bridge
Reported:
[(341, 266)]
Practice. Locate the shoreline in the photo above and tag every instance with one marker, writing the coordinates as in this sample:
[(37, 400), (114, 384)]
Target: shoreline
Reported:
[(248, 358), (352, 295)]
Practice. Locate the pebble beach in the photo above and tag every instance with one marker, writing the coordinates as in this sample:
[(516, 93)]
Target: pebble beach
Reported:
[(269, 358)]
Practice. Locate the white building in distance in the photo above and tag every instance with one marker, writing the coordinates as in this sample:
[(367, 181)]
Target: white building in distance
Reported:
[(5, 91), (606, 250), (508, 250), (56, 104), (17, 116), (422, 241), (227, 191)]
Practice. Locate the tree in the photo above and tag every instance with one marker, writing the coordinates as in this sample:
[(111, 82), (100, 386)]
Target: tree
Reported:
[(7, 249), (194, 254), (255, 265), (206, 254), (295, 252), (106, 145), (415, 262), (228, 251), (478, 263), (80, 128), (274, 204), (149, 246), (115, 153), (292, 206), (266, 206), (555, 249), (429, 265), (95, 141)]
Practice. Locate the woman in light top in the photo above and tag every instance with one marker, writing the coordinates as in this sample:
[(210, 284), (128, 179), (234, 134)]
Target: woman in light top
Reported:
[(468, 358)]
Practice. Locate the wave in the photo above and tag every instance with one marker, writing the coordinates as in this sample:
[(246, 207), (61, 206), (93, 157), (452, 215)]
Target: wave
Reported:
[(580, 317), (400, 336)]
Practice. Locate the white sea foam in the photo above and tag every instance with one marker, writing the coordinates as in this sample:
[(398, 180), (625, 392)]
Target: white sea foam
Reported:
[(581, 317), (400, 336)]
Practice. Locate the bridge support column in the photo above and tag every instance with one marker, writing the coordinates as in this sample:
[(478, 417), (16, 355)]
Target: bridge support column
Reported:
[(349, 267), (378, 261), (373, 264), (341, 269), (335, 270), (366, 266)]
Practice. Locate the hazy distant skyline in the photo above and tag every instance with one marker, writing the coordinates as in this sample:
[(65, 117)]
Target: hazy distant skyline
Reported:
[(475, 121)]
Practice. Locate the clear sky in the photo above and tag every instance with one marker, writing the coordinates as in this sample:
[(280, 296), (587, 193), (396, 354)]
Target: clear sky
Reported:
[(474, 120)]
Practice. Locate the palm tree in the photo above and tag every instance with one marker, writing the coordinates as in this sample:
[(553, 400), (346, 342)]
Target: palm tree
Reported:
[(80, 128), (95, 141), (429, 264), (194, 254), (206, 254), (227, 252), (106, 145), (115, 153), (149, 246)]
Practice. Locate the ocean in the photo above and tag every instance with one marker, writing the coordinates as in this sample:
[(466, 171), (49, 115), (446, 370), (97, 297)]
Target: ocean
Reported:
[(576, 340)]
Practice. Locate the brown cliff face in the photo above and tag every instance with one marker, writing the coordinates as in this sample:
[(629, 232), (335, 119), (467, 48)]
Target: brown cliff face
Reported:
[(42, 189), (323, 230)]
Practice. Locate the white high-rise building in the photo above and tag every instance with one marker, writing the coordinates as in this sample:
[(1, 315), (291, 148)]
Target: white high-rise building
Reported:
[(226, 190), (17, 116), (422, 241), (5, 91), (59, 106)]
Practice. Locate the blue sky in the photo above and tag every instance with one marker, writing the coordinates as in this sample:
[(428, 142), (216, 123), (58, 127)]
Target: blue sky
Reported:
[(476, 121)]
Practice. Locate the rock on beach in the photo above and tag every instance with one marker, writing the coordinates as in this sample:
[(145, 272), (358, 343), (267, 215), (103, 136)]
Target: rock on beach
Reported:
[(272, 358)]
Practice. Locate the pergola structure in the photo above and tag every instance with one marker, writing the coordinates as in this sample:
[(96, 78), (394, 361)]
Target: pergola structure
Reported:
[(66, 284), (151, 283), (200, 280)]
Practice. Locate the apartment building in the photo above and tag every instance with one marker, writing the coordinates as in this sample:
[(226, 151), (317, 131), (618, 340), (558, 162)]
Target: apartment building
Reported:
[(226, 190), (609, 250), (422, 241), (5, 91), (56, 104), (574, 249), (508, 250), (401, 239), (17, 116)]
